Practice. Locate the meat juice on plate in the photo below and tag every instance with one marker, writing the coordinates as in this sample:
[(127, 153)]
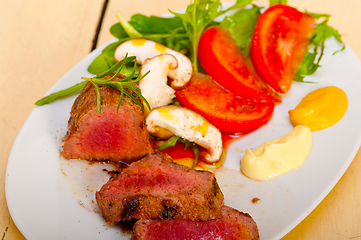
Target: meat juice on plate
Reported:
[(84, 179)]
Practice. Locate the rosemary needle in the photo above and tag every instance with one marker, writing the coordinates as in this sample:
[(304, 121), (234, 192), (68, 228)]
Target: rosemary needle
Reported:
[(127, 82)]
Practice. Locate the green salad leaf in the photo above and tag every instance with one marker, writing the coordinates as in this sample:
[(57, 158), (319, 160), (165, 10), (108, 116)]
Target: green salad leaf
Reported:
[(167, 31), (241, 26), (155, 25), (311, 62), (128, 28), (171, 142), (118, 31), (198, 16), (183, 31), (273, 2), (105, 60)]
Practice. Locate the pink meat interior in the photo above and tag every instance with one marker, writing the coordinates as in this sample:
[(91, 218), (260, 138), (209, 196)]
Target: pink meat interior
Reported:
[(159, 179), (108, 135)]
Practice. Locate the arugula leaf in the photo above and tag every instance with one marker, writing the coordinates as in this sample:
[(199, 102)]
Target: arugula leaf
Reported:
[(105, 60), (118, 31), (129, 29), (100, 63), (171, 142), (313, 56), (198, 16), (167, 31), (241, 26), (181, 33), (155, 25), (177, 41), (148, 25), (195, 150), (324, 31), (273, 2)]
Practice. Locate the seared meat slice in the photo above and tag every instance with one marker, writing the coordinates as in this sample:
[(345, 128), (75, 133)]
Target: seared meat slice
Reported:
[(108, 136), (233, 225), (156, 187)]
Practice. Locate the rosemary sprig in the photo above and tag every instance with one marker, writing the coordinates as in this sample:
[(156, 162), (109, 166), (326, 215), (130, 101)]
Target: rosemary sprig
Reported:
[(52, 97), (127, 82)]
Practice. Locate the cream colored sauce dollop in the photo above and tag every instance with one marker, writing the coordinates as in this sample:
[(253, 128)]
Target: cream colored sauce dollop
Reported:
[(278, 156)]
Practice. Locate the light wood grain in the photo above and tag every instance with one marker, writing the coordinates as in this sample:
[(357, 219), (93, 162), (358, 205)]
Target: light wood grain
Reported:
[(41, 40)]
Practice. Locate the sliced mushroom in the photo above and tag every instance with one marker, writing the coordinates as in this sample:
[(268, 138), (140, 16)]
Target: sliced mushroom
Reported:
[(154, 86), (188, 125), (143, 49)]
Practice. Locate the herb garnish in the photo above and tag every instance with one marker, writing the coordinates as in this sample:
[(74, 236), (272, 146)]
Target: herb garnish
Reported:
[(127, 82), (52, 97)]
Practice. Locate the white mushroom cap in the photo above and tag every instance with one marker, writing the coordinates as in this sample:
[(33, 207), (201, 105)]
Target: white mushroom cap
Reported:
[(143, 49), (188, 125), (154, 85)]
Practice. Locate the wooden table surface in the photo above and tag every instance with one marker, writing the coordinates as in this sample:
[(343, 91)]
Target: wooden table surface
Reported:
[(40, 40)]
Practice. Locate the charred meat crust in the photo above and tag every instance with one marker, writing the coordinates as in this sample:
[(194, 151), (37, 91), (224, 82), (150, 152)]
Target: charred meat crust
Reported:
[(233, 225), (130, 206), (156, 187)]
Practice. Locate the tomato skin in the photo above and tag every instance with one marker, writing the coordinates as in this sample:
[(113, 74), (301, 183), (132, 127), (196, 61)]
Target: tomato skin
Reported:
[(224, 61), (178, 151), (279, 43), (222, 108)]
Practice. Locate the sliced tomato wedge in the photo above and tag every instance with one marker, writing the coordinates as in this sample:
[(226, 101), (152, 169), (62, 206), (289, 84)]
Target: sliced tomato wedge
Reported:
[(279, 43), (224, 61), (222, 108)]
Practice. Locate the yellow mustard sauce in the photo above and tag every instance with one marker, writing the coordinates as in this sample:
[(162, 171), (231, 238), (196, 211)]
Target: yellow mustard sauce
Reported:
[(320, 109)]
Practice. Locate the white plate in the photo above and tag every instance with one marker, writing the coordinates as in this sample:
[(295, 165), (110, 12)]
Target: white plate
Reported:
[(52, 198)]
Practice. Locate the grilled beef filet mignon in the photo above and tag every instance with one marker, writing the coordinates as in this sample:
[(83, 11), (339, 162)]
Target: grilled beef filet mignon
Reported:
[(233, 225), (108, 136), (156, 187)]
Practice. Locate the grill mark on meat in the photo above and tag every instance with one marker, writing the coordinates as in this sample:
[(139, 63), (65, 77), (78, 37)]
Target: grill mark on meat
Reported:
[(169, 209), (163, 189), (234, 225), (108, 136), (130, 206)]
